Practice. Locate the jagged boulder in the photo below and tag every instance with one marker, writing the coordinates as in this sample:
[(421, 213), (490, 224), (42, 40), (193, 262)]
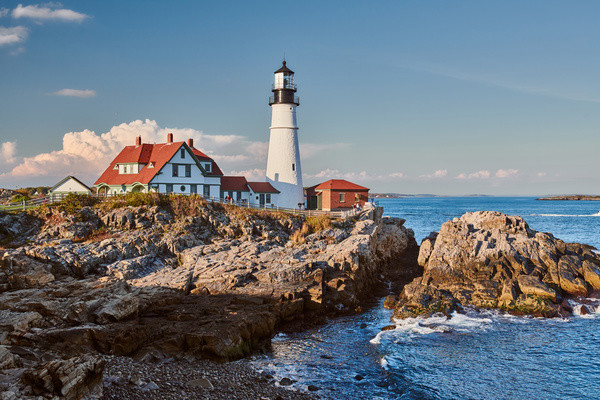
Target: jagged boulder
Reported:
[(488, 259)]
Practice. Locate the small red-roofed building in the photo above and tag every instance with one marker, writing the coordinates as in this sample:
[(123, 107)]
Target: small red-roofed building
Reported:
[(336, 194), (171, 167), (263, 194)]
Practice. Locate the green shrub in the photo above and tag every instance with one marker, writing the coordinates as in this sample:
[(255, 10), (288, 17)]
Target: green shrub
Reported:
[(19, 198), (75, 202)]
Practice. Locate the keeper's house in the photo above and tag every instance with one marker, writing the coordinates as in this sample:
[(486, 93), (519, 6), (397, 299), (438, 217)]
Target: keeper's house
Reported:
[(238, 189), (172, 167), (336, 194)]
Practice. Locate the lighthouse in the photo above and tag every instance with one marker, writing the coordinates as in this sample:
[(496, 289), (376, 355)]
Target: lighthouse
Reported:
[(283, 161)]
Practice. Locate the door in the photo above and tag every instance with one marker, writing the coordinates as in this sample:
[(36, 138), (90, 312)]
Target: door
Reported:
[(262, 199)]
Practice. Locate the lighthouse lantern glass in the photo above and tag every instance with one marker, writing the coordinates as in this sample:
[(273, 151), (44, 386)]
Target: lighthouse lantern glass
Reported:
[(284, 80)]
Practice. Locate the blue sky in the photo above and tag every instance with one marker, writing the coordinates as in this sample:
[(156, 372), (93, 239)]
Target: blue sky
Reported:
[(409, 96)]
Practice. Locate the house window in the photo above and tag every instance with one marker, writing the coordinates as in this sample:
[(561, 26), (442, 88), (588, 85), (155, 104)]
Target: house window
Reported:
[(193, 189), (188, 170), (169, 188), (238, 196), (175, 170), (127, 169), (342, 197), (206, 190), (208, 167), (293, 167), (268, 197), (182, 153), (182, 188)]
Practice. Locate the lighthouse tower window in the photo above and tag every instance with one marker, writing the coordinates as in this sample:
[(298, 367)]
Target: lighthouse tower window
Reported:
[(293, 167)]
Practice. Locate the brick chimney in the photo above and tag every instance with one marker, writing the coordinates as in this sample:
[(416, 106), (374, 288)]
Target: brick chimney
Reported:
[(191, 142), (170, 138), (138, 141)]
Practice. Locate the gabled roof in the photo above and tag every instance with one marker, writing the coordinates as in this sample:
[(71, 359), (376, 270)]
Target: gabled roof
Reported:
[(234, 184), (215, 170), (262, 187), (66, 179), (156, 154), (340, 184)]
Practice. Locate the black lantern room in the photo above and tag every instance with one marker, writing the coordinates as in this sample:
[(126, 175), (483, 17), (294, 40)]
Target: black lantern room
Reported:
[(284, 88)]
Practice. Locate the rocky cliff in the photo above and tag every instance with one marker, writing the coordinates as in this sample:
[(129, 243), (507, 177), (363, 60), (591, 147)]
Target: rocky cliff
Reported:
[(195, 279), (492, 260)]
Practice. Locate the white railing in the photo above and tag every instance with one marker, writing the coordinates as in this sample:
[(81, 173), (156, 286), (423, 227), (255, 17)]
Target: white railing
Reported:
[(55, 198)]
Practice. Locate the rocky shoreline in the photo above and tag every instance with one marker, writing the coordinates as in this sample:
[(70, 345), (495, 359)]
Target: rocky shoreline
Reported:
[(82, 286), (496, 261), (571, 197)]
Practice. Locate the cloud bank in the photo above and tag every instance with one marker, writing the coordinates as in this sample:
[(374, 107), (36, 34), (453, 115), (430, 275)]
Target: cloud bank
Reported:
[(86, 154)]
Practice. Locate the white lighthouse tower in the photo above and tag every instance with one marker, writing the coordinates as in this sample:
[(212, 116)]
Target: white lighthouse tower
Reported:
[(283, 162)]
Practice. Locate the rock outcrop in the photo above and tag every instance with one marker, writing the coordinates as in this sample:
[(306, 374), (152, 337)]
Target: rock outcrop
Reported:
[(492, 260), (215, 282)]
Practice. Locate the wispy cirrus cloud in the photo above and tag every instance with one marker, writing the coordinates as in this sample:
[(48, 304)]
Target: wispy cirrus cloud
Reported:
[(13, 35), (84, 94), (4, 12), (41, 13), (483, 174)]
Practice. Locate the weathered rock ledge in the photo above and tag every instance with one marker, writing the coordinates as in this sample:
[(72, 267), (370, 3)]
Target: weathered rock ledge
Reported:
[(208, 282), (491, 260)]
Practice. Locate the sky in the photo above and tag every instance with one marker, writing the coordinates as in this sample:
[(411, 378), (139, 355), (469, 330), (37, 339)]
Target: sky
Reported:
[(449, 98)]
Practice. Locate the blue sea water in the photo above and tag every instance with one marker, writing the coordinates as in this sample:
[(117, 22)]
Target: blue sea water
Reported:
[(480, 355)]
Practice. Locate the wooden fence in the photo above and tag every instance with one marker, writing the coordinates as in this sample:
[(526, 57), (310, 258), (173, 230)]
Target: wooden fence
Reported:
[(50, 199)]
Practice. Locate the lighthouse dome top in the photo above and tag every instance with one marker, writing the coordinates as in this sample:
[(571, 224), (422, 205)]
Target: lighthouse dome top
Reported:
[(284, 68)]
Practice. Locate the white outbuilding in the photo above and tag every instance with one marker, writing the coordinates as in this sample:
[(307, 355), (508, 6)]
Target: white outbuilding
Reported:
[(69, 185)]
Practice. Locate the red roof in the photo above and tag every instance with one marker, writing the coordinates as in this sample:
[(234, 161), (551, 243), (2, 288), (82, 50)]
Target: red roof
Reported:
[(341, 184), (262, 187), (151, 154), (234, 184), (215, 170)]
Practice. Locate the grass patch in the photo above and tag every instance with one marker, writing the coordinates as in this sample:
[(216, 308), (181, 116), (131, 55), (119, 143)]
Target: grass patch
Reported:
[(310, 226)]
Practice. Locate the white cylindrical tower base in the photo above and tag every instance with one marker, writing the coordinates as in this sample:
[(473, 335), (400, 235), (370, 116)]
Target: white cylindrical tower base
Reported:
[(284, 171)]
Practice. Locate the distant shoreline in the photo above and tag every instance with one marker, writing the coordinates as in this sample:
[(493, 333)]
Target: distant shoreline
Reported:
[(571, 197)]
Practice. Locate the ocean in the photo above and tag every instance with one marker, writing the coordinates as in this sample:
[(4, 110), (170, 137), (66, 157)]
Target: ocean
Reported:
[(480, 355)]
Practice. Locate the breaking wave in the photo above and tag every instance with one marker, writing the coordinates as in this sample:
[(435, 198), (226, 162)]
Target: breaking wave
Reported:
[(566, 215)]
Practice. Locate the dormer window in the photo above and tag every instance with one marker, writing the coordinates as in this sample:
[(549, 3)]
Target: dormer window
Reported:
[(208, 167), (116, 166), (151, 165)]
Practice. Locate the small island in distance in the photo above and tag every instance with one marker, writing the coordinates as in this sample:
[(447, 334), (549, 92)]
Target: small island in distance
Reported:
[(571, 197)]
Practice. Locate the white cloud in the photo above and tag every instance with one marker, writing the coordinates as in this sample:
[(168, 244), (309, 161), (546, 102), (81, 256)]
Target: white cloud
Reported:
[(541, 174), (16, 34), (506, 173), (440, 173), (4, 12), (84, 94), (8, 152), (51, 13), (483, 174), (255, 174)]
